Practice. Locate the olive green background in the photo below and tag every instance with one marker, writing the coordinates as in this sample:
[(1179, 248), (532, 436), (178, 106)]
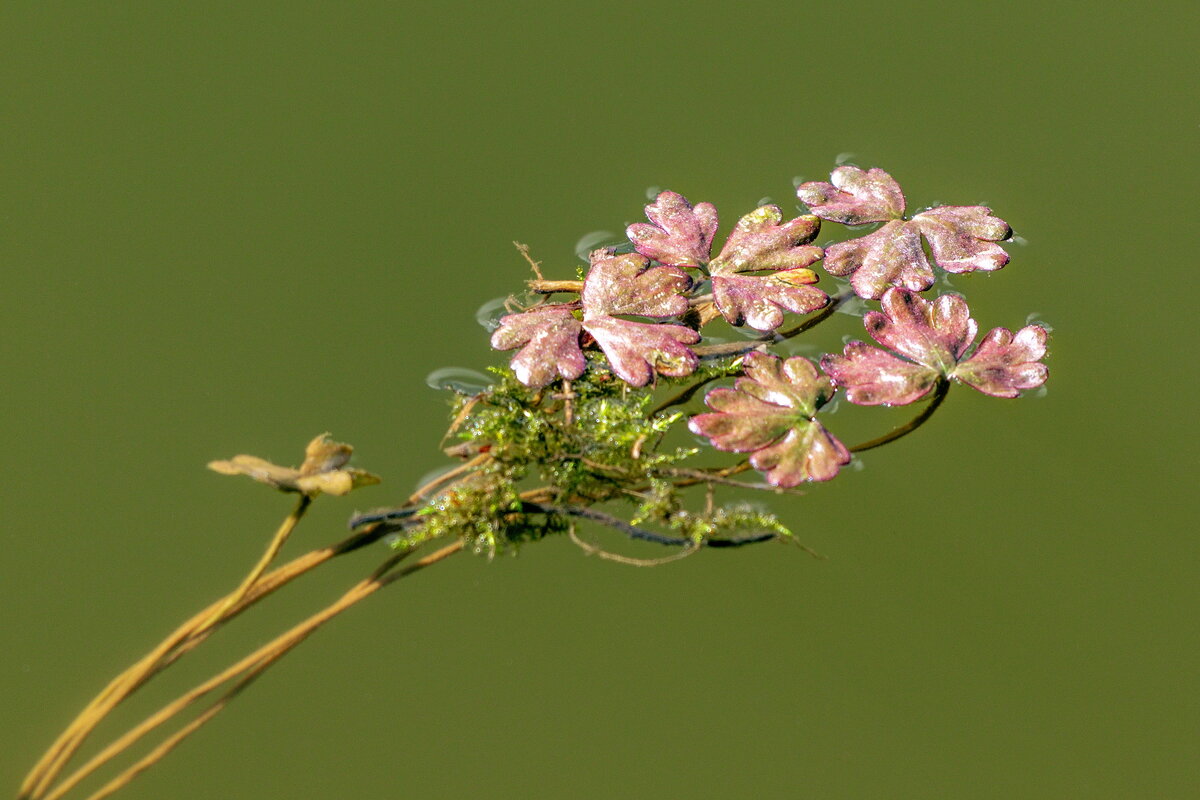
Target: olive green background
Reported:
[(227, 227)]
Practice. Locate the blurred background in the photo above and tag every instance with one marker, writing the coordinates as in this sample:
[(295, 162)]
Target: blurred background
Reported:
[(228, 227)]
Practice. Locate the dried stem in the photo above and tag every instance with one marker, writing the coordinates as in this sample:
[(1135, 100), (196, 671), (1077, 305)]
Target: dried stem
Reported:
[(541, 286), (446, 477), (167, 651), (249, 667), (594, 550), (281, 536), (634, 532)]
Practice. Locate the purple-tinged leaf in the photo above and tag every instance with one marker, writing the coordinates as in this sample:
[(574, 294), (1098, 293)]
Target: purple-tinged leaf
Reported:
[(963, 238), (622, 284), (636, 350), (891, 256), (549, 340), (935, 333), (1004, 364), (680, 235), (934, 336), (760, 242), (875, 377), (807, 453), (854, 197), (626, 284), (769, 413), (760, 300)]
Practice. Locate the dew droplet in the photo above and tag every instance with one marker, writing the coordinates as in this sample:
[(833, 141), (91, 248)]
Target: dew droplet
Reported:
[(652, 192), (459, 380), (1039, 392), (799, 179), (857, 464), (766, 201), (1017, 240), (489, 313), (843, 159)]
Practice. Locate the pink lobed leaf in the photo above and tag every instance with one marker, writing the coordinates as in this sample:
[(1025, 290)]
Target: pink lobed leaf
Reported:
[(636, 350), (934, 336), (1004, 364), (934, 333), (807, 453), (549, 342), (875, 377), (769, 413), (963, 238), (762, 241), (854, 197), (680, 234), (891, 256), (626, 284), (792, 383), (760, 300)]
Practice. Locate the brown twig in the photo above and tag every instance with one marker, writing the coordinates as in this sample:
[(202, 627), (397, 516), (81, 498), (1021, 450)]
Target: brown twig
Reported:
[(167, 651), (446, 477), (249, 667), (596, 550), (541, 286), (536, 266)]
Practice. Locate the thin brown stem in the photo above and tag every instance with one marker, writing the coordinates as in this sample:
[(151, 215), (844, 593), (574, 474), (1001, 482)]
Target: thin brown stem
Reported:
[(541, 286), (180, 641), (596, 550), (273, 548), (250, 667), (714, 478), (939, 394), (447, 477), (707, 476)]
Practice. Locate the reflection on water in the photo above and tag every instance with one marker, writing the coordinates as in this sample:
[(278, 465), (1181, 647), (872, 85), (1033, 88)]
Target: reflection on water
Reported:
[(597, 239), (489, 314), (459, 380)]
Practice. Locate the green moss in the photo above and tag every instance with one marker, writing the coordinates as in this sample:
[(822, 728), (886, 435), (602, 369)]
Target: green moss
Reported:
[(593, 440)]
